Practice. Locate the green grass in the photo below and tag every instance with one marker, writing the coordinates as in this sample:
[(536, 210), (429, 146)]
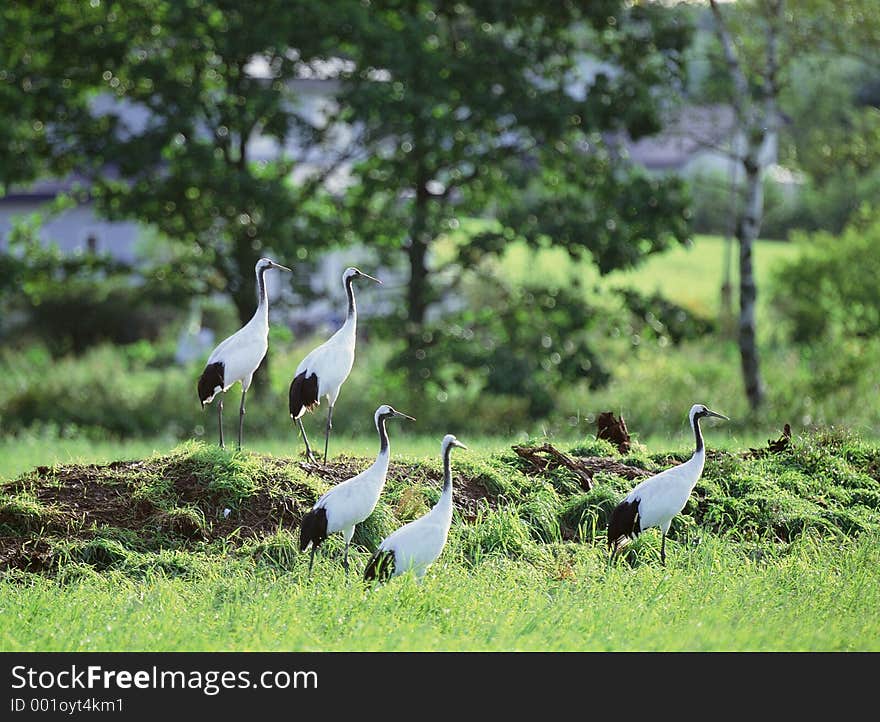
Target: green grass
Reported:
[(788, 539), (688, 275), (21, 454), (818, 597)]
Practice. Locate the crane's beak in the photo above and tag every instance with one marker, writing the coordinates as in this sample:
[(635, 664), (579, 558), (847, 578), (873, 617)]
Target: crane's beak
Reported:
[(367, 275), (459, 444), (280, 267), (404, 416), (717, 415)]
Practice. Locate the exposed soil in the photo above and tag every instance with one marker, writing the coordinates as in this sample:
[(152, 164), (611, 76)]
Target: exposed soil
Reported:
[(80, 500), (76, 504)]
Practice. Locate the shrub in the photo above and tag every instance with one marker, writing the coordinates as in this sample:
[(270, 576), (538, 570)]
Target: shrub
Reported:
[(831, 289)]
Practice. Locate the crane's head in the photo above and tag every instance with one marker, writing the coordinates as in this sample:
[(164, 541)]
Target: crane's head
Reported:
[(700, 411), (267, 263), (389, 412), (449, 441), (352, 273)]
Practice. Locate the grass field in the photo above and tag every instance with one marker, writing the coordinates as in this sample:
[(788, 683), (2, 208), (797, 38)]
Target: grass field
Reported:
[(817, 597), (789, 539), (688, 275), (21, 454)]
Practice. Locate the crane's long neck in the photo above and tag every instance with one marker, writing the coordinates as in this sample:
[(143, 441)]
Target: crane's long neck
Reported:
[(698, 436), (699, 457), (384, 448), (445, 502), (384, 455), (352, 307), (262, 313), (349, 328)]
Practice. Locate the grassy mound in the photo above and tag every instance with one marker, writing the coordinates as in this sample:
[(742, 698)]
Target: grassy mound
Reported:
[(201, 501)]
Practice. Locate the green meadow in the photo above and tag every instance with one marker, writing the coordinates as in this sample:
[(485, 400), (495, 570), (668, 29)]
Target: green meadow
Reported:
[(196, 549)]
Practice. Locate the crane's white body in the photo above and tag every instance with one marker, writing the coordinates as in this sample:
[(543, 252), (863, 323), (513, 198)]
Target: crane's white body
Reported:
[(656, 500), (664, 495), (331, 362), (351, 502), (243, 352), (418, 544)]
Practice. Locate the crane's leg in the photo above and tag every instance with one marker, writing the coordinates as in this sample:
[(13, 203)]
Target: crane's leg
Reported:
[(302, 430), (311, 559), (327, 432), (663, 549), (241, 418), (347, 535), (220, 421)]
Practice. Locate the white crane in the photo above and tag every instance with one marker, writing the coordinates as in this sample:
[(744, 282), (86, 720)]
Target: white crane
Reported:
[(237, 358), (656, 500), (418, 544), (326, 368), (348, 504)]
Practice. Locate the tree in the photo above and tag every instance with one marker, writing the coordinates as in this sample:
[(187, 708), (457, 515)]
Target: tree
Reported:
[(481, 108), (180, 95), (754, 96), (44, 85)]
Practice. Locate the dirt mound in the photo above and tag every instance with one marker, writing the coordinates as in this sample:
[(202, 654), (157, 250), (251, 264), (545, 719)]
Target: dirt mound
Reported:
[(177, 502)]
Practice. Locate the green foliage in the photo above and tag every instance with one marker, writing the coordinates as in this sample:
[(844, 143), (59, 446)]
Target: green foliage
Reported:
[(551, 328), (655, 316), (830, 292), (42, 92), (476, 102), (786, 208), (211, 501), (73, 302), (188, 170)]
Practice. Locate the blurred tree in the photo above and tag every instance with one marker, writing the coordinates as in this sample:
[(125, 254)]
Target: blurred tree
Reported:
[(70, 302), (489, 108), (43, 91), (764, 49), (754, 64), (194, 123)]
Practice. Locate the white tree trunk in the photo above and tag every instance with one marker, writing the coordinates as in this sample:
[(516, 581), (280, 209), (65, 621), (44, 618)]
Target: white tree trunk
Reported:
[(748, 227)]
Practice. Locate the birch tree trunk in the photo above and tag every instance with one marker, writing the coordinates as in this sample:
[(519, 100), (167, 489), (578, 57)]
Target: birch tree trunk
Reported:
[(757, 118), (748, 226)]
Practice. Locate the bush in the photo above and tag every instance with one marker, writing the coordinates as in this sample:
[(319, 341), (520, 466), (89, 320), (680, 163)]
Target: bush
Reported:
[(831, 289), (806, 207), (70, 302)]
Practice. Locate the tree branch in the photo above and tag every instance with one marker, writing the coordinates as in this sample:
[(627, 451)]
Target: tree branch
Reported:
[(771, 72), (740, 100)]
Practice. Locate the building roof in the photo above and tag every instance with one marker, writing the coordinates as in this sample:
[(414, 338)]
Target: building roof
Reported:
[(694, 129)]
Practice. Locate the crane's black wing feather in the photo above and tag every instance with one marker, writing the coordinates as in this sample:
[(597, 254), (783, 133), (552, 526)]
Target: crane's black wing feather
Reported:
[(303, 394), (313, 528), (211, 378), (381, 566), (624, 521)]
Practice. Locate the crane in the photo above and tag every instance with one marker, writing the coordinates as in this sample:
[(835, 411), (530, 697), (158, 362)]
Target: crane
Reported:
[(237, 357), (418, 544), (323, 371), (656, 500), (349, 503)]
